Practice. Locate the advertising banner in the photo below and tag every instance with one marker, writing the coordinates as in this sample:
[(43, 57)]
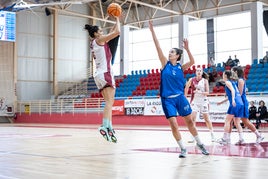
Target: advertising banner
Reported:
[(153, 107), (118, 107), (134, 107)]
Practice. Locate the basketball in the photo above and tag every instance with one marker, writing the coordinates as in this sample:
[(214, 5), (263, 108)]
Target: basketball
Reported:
[(114, 9)]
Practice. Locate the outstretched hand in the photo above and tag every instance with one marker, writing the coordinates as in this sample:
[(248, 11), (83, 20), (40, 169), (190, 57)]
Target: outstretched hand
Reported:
[(185, 44)]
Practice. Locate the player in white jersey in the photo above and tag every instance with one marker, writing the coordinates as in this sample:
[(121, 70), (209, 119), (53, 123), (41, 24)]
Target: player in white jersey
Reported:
[(103, 48), (199, 89)]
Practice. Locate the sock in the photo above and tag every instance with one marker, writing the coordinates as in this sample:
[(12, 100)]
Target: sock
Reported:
[(226, 136), (257, 133), (110, 126), (211, 130), (197, 139), (181, 144), (241, 136), (105, 122), (212, 136)]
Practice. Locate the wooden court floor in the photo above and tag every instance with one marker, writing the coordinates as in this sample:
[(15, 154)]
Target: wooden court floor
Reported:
[(50, 151)]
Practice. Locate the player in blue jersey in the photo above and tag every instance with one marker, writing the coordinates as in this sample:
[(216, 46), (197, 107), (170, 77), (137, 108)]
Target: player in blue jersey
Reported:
[(172, 92), (242, 89), (235, 110)]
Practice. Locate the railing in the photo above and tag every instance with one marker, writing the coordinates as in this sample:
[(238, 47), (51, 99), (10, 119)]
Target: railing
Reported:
[(77, 87), (61, 106), (88, 105)]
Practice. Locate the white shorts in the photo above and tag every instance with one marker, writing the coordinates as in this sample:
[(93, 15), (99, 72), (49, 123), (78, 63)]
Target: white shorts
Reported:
[(104, 80), (200, 107)]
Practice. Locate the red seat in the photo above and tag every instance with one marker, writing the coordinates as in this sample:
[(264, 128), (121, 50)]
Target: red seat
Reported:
[(227, 68), (215, 89), (221, 89)]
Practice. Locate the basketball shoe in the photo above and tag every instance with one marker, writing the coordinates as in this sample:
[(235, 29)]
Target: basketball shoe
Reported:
[(240, 142), (111, 133), (105, 134), (259, 139), (183, 153), (223, 141), (203, 149)]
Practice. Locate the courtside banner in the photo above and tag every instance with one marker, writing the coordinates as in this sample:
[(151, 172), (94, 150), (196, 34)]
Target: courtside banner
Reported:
[(217, 112), (134, 106), (118, 107), (153, 107)]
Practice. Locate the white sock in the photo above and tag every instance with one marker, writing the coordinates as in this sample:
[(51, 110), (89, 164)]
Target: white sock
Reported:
[(197, 139), (241, 136), (181, 144), (257, 133)]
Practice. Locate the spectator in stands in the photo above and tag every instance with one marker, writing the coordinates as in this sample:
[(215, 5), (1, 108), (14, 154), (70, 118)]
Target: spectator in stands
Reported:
[(252, 111), (103, 48), (242, 90), (235, 61), (235, 107), (264, 59), (172, 91), (261, 113), (228, 62), (213, 75), (199, 101)]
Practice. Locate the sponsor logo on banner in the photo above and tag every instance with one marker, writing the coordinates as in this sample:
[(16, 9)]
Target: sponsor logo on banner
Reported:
[(129, 103), (118, 107), (134, 111), (153, 107), (134, 106)]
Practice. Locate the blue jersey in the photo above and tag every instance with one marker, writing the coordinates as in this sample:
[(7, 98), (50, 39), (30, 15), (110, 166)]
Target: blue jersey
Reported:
[(245, 100), (172, 80), (238, 110)]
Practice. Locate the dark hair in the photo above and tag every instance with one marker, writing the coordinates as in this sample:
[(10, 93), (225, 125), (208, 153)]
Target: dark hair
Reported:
[(178, 52), (228, 73), (261, 101), (205, 75), (91, 29), (239, 71)]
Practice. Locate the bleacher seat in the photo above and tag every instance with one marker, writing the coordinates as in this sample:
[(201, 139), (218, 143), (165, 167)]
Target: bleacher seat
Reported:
[(255, 61), (215, 89)]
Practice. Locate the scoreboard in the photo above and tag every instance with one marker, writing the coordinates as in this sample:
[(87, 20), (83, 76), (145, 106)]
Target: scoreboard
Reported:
[(8, 26)]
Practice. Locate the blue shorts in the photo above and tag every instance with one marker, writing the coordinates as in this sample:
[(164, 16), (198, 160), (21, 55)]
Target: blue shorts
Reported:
[(237, 111), (175, 106)]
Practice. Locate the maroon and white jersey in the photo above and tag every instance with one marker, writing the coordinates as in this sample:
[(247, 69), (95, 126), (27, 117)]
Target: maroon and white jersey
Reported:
[(102, 56), (200, 87)]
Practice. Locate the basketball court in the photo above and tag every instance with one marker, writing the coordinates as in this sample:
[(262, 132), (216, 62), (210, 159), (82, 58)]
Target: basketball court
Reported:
[(142, 152)]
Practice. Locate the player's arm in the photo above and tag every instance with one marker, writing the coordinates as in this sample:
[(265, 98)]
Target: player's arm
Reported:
[(161, 56), (112, 34), (229, 85), (241, 86), (187, 86), (191, 58)]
